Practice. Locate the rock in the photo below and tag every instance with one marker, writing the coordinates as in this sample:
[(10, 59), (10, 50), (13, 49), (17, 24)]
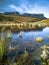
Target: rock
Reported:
[(20, 35), (45, 53), (11, 48), (39, 39), (43, 47)]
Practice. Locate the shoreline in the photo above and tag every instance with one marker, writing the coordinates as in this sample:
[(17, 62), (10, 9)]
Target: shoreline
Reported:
[(25, 30), (16, 27)]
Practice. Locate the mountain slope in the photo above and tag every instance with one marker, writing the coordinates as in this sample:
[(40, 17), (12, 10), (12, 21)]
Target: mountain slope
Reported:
[(18, 18)]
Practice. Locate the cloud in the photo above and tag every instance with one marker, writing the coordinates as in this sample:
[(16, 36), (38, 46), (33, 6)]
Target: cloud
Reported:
[(30, 9), (16, 8), (25, 6), (22, 8)]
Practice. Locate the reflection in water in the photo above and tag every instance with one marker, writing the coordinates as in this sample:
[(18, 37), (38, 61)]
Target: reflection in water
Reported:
[(26, 42), (28, 39), (30, 36)]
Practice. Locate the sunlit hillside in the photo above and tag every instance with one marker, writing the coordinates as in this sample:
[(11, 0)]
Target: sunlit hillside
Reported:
[(18, 18), (45, 21)]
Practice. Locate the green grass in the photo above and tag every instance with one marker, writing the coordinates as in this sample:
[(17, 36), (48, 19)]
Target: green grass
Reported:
[(18, 18)]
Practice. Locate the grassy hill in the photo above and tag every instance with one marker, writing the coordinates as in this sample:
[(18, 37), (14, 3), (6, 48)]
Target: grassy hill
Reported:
[(18, 18), (29, 23), (45, 21)]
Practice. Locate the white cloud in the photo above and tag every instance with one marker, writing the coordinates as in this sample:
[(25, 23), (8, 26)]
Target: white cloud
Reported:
[(16, 8), (30, 9)]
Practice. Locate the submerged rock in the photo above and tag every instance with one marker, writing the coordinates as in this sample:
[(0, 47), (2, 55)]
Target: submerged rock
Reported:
[(45, 53), (11, 48), (20, 35), (44, 47)]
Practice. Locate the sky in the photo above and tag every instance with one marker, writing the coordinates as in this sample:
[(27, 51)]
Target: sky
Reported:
[(25, 6)]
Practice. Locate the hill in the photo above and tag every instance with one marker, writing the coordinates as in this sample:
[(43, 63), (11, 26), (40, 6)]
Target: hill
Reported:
[(11, 13), (34, 15), (26, 14), (19, 18), (45, 21)]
